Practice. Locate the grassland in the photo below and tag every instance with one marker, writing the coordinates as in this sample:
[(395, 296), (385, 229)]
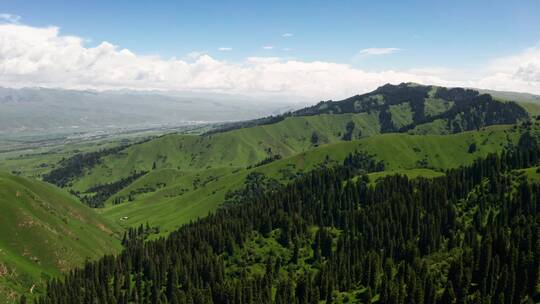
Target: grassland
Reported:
[(238, 148), (44, 232), (184, 195)]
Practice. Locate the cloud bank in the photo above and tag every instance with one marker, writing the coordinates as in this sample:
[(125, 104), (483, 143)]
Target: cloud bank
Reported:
[(34, 56)]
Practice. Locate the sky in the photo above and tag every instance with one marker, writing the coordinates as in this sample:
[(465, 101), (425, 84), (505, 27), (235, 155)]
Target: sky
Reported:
[(305, 49)]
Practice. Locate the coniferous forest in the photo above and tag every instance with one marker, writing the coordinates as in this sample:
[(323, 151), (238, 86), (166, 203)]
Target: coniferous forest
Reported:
[(470, 236)]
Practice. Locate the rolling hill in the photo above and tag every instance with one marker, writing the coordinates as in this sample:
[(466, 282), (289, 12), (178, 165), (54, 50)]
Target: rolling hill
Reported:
[(43, 233), (168, 197), (176, 178), (406, 108)]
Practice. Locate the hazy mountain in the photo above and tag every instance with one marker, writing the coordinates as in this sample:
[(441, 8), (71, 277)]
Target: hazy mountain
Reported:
[(515, 96), (40, 110)]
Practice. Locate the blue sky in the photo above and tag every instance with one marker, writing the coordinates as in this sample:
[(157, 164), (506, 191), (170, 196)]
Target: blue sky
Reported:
[(428, 32), (492, 44)]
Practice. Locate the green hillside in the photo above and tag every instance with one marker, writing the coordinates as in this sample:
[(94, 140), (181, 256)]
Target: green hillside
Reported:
[(238, 148), (407, 108), (170, 197), (44, 232)]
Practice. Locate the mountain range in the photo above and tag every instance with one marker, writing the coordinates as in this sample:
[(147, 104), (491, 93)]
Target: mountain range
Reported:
[(46, 111)]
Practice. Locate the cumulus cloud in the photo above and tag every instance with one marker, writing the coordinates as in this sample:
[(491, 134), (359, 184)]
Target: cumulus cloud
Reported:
[(268, 47), (518, 72), (287, 35), (378, 51), (224, 49), (32, 56), (9, 18)]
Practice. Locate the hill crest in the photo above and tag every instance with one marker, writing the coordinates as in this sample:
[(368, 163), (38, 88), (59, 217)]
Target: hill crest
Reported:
[(459, 108)]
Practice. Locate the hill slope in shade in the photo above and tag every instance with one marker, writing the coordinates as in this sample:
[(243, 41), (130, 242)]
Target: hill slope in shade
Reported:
[(44, 232)]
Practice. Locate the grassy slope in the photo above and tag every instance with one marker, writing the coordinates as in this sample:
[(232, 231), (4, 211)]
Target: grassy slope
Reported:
[(43, 232), (172, 206), (238, 148), (243, 147)]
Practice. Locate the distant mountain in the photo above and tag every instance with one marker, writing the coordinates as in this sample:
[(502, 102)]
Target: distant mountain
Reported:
[(515, 96), (40, 110)]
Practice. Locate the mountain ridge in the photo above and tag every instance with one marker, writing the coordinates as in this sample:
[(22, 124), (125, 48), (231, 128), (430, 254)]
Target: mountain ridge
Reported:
[(416, 96)]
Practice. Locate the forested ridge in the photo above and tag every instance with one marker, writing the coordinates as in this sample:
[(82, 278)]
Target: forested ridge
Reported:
[(470, 236), (467, 109)]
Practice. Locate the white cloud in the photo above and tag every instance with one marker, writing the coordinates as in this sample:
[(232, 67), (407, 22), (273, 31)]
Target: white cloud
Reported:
[(287, 35), (518, 72), (268, 47), (378, 51), (9, 18), (32, 56), (224, 49)]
